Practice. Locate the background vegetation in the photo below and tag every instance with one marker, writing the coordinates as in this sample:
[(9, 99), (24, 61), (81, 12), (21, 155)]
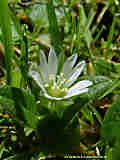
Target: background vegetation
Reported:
[(90, 28)]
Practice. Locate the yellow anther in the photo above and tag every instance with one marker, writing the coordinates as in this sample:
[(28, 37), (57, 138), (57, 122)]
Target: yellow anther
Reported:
[(62, 74), (46, 85), (64, 89)]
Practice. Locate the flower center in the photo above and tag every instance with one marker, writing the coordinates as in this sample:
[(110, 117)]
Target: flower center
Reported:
[(56, 86)]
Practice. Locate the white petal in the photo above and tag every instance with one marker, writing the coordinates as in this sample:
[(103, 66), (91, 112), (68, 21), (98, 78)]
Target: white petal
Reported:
[(76, 92), (43, 66), (75, 73), (36, 77), (52, 62), (80, 85), (68, 65), (53, 98)]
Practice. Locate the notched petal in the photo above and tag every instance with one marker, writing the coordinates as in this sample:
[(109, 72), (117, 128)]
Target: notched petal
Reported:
[(43, 66), (81, 85), (75, 73), (52, 62), (43, 60), (36, 77), (76, 92), (68, 65)]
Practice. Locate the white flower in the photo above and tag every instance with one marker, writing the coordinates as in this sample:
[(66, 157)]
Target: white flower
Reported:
[(59, 87)]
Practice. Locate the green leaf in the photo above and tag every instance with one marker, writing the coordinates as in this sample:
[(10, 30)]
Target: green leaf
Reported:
[(61, 60), (16, 79), (61, 106), (6, 92), (115, 84), (31, 118), (99, 89), (85, 24), (71, 110), (110, 132), (113, 112), (53, 27), (2, 149), (108, 153), (110, 37), (104, 67), (15, 20), (111, 127), (87, 114), (98, 116), (20, 100), (8, 104), (7, 37), (24, 99), (24, 54), (98, 79)]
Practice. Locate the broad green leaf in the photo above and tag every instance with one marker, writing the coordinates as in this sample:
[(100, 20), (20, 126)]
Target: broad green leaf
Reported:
[(98, 79), (61, 106), (110, 132), (31, 118), (115, 85), (111, 127), (113, 112), (24, 99), (71, 110), (99, 89), (20, 98)]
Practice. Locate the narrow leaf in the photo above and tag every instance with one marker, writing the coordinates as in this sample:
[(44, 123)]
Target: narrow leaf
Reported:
[(7, 36), (53, 26)]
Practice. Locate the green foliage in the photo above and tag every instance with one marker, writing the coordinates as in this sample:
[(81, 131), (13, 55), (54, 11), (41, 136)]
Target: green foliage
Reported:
[(111, 128), (53, 26), (34, 124), (38, 16), (6, 37), (85, 23)]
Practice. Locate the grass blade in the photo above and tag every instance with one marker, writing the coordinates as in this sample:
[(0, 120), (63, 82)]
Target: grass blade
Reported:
[(53, 26), (6, 36), (110, 38)]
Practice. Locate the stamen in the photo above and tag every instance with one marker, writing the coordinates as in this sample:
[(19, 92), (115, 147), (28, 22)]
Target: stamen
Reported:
[(46, 85), (56, 86)]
